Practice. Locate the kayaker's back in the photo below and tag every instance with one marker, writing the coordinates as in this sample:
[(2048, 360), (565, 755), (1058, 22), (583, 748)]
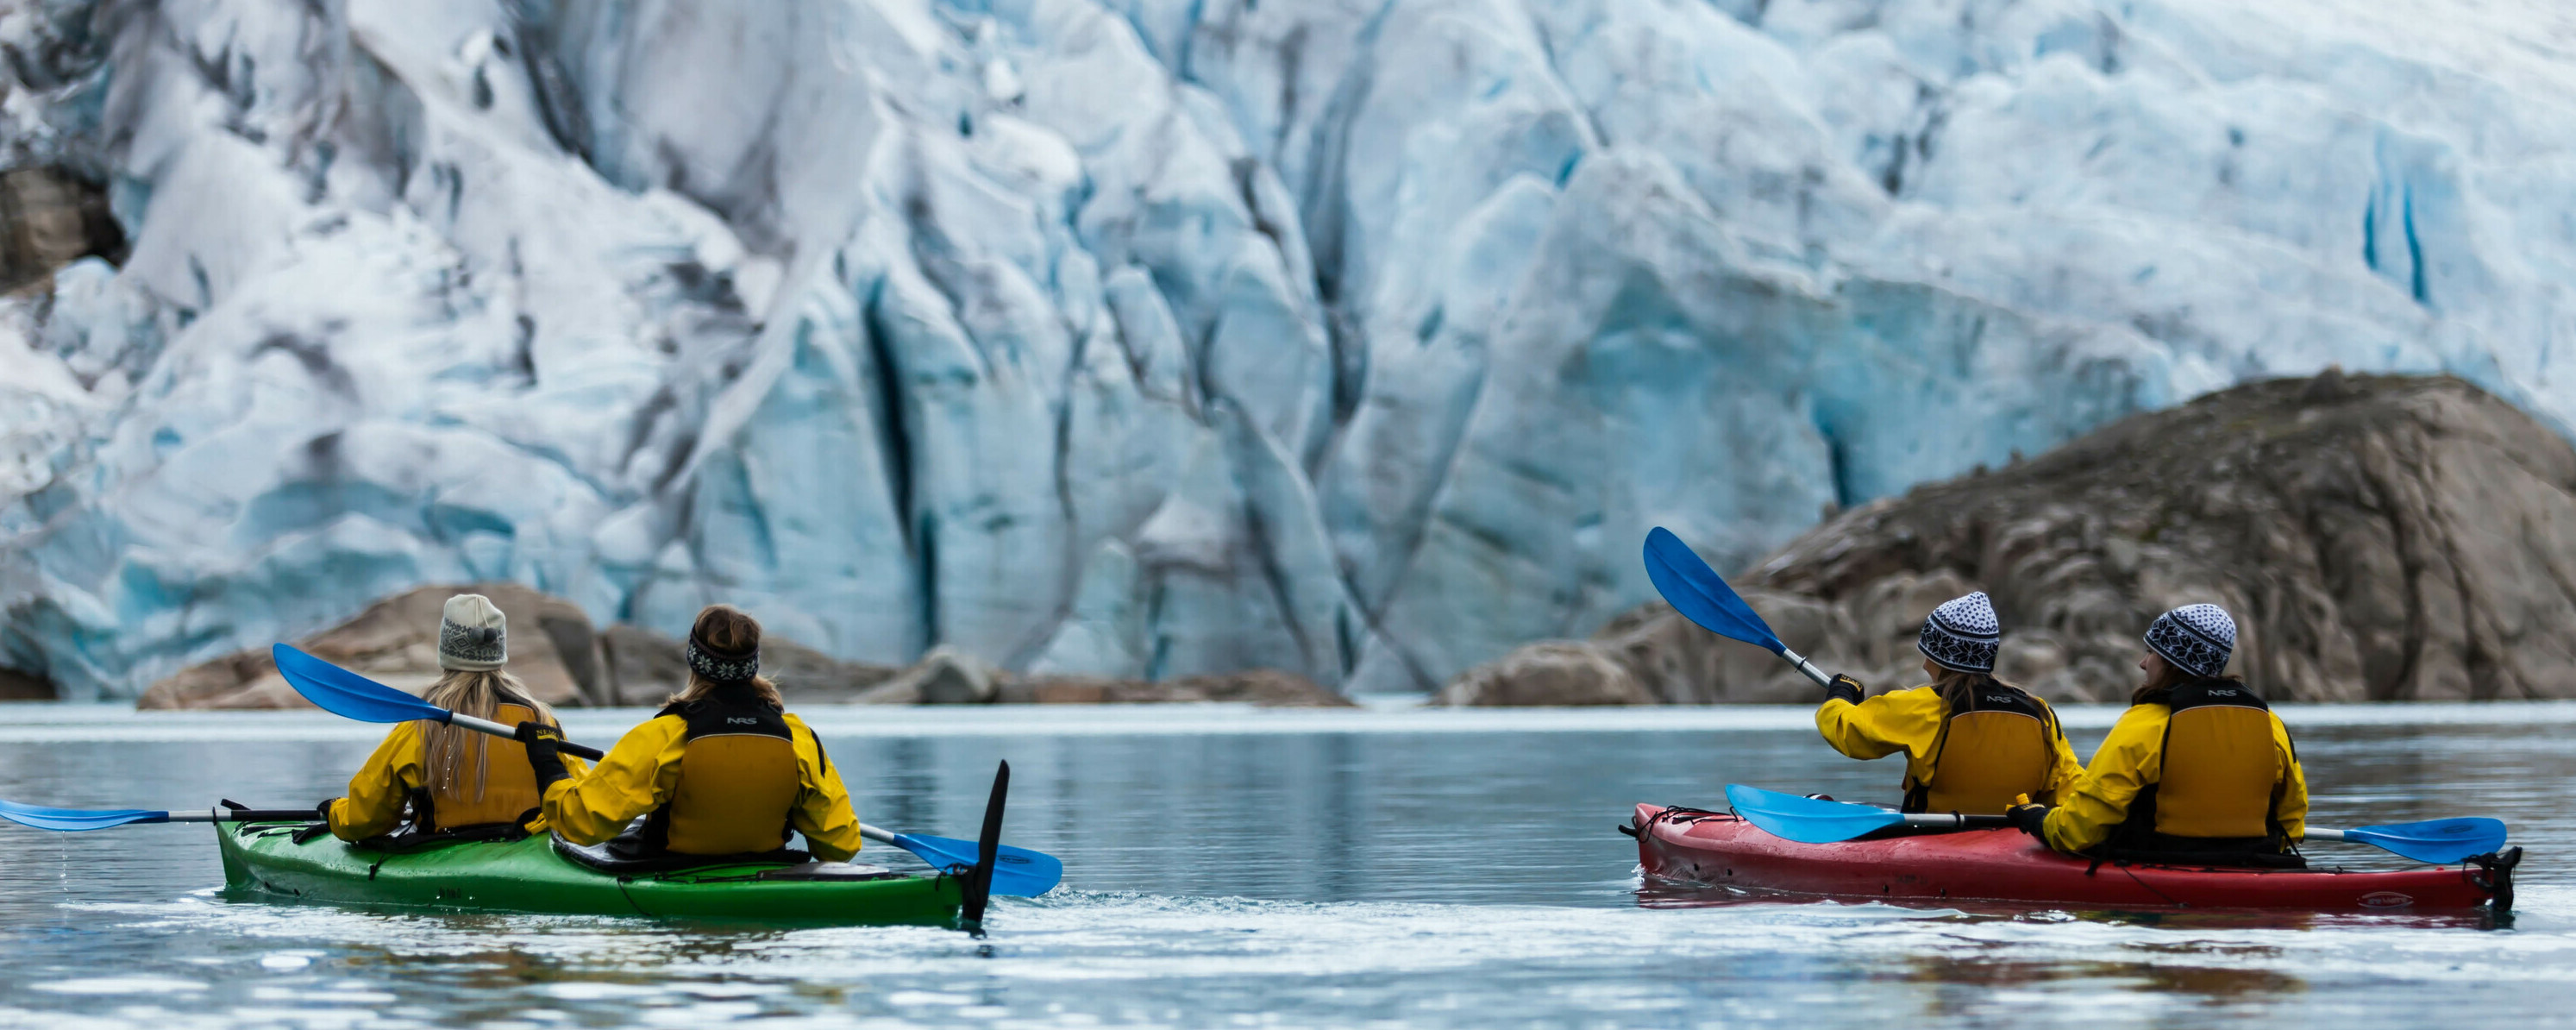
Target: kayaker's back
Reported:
[(1994, 750), (1973, 743), (722, 770), (446, 779), (2198, 766), (738, 778), (2222, 769)]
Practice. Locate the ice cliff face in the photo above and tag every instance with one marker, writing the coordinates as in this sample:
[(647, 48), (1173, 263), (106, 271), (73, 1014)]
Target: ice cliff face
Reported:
[(1151, 337)]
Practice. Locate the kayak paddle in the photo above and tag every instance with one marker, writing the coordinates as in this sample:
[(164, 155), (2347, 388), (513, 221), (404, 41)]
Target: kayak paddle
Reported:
[(2439, 841), (1818, 821), (74, 820), (979, 877), (1017, 872), (1702, 596)]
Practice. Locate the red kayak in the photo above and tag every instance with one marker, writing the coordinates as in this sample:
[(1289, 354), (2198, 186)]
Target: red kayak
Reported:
[(1690, 846)]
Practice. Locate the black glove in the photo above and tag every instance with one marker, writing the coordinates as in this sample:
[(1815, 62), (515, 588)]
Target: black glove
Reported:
[(323, 811), (1846, 688), (542, 742), (2028, 819)]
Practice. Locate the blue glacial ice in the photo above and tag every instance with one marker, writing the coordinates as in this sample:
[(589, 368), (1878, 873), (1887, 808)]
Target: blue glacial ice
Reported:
[(1152, 337)]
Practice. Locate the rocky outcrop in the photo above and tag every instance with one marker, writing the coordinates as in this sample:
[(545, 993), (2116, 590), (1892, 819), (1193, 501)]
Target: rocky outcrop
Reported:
[(2378, 538), (646, 668), (19, 686), (948, 676), (1268, 688), (50, 218), (1549, 673), (395, 642), (554, 650)]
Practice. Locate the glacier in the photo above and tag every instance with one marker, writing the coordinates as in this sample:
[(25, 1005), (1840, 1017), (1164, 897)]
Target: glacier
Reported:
[(1145, 338)]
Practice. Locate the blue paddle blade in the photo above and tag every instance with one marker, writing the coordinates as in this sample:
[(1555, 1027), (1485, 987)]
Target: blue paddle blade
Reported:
[(1807, 820), (1017, 872), (75, 819), (1696, 591), (2439, 841), (347, 694)]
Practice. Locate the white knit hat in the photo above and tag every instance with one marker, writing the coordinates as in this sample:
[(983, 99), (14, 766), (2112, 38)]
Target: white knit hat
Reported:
[(1962, 634), (472, 635)]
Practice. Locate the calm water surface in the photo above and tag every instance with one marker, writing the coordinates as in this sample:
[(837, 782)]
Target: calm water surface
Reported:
[(1233, 867)]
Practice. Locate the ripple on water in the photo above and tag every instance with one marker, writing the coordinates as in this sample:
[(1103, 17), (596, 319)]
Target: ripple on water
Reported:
[(1438, 872), (1122, 958)]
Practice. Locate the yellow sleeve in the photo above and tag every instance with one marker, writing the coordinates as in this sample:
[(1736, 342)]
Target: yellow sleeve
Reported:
[(636, 777), (379, 788), (823, 812), (2292, 810), (2066, 769), (2129, 759), (1902, 720)]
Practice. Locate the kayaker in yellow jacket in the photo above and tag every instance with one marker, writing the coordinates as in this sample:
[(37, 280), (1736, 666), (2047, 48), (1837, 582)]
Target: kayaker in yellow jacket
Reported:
[(1972, 742), (451, 778), (721, 770), (2198, 768)]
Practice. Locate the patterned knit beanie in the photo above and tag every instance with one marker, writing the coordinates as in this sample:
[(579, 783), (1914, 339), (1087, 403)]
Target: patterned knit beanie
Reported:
[(1962, 634), (2197, 638), (472, 635)]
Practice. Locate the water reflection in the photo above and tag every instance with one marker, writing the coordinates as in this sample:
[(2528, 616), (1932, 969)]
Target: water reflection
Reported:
[(1311, 878)]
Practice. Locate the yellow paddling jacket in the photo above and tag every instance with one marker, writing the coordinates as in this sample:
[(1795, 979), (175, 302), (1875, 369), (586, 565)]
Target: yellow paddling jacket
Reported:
[(2207, 760), (398, 772), (2002, 743), (720, 776)]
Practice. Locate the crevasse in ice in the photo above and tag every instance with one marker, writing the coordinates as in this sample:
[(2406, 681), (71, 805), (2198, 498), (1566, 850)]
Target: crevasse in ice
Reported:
[(1151, 337)]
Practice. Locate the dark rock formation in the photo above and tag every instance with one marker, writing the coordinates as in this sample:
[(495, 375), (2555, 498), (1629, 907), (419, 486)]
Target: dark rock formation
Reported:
[(2377, 538), (49, 218), (395, 642), (22, 686), (554, 650), (1268, 688), (646, 668)]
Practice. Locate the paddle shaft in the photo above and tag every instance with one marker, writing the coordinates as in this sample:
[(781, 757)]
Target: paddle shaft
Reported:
[(2314, 833), (1955, 821), (1805, 666), (512, 733), (1967, 821), (242, 815)]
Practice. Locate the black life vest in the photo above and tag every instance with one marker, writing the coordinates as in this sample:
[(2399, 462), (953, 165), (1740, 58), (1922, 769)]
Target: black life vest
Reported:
[(738, 779), (2218, 777), (1998, 744)]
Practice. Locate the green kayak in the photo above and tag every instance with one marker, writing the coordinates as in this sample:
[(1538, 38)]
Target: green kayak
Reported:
[(263, 861)]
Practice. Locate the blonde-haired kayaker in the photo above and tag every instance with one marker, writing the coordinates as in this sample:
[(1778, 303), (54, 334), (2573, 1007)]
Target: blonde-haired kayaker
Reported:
[(1972, 742), (721, 770), (453, 778), (2198, 769)]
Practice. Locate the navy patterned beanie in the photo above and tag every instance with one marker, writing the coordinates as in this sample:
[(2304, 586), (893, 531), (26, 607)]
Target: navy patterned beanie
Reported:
[(722, 666), (2197, 638), (1962, 634)]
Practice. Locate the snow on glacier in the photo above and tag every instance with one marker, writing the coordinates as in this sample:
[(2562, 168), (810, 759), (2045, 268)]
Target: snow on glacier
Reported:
[(1152, 337)]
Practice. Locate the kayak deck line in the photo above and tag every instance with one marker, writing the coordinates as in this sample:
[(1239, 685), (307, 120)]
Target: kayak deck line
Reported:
[(1692, 846), (264, 862)]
